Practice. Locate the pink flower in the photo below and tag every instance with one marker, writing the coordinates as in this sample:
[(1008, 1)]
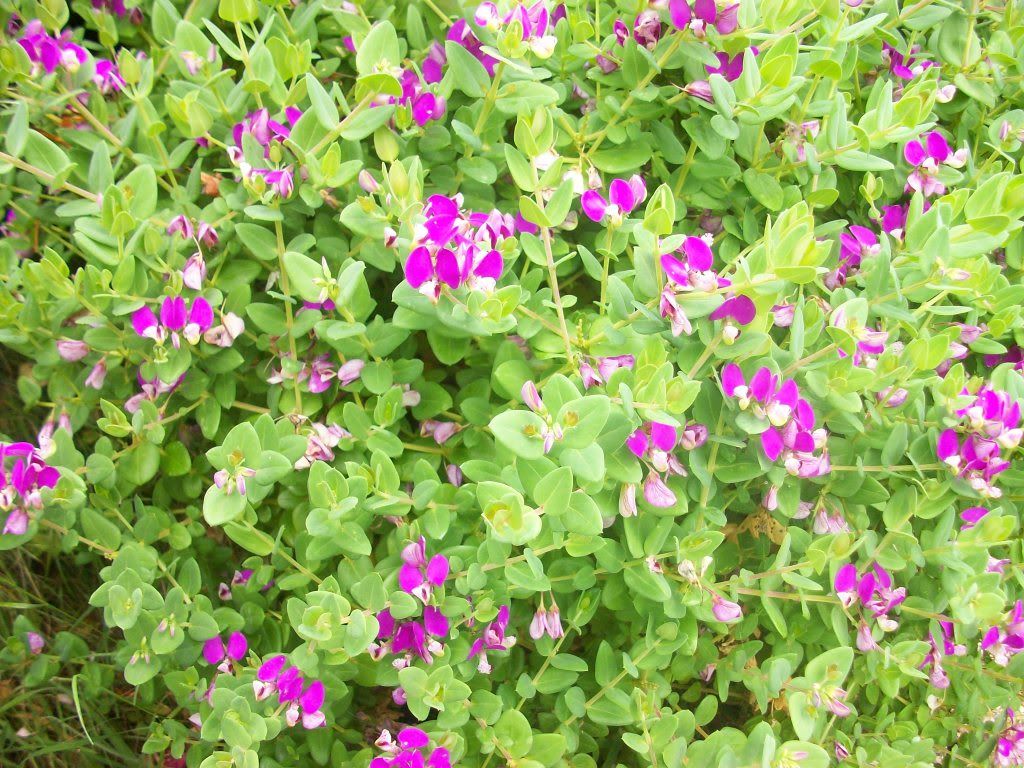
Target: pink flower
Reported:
[(725, 610), (176, 320), (623, 197)]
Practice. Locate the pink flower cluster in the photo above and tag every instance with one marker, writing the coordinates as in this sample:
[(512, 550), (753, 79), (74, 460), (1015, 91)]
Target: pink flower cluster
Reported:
[(689, 268), (547, 621), (1009, 752), (535, 20), (493, 638), (48, 53), (177, 320), (266, 132), (23, 476), (992, 424), (790, 432), (457, 248), (409, 750), (654, 444), (938, 651), (417, 576), (1005, 642), (304, 702), (624, 195), (321, 440), (220, 654), (319, 373), (606, 366), (194, 271), (927, 159), (875, 593)]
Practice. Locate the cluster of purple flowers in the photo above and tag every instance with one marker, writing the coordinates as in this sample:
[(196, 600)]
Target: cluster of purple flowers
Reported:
[(605, 366), (552, 430), (23, 476), (689, 268), (790, 432), (1005, 642), (547, 621), (1009, 752), (992, 424), (319, 372), (409, 750), (304, 701), (535, 19), (423, 104), (421, 638), (48, 54), (939, 650), (654, 444), (495, 637), (646, 30), (220, 654), (267, 133), (457, 248), (321, 440), (624, 195), (927, 159), (873, 591), (201, 234), (177, 320)]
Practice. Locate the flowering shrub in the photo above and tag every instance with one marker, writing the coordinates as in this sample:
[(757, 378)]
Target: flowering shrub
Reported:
[(532, 384)]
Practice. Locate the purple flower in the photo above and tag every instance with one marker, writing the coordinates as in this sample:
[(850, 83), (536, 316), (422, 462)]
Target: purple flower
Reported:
[(493, 638), (701, 15), (927, 160), (176, 320), (725, 610), (418, 576), (738, 310), (72, 350), (647, 29), (905, 67), (657, 493), (623, 197)]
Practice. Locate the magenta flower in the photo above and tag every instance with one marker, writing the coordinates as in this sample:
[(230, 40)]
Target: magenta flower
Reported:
[(703, 14), (971, 517), (263, 129), (176, 320), (691, 266), (48, 53), (729, 67), (854, 246), (647, 29), (493, 638), (791, 433), (411, 638), (873, 591), (1003, 643), (24, 474), (623, 197), (216, 651), (409, 751), (736, 311), (927, 161), (905, 67), (304, 701), (418, 576)]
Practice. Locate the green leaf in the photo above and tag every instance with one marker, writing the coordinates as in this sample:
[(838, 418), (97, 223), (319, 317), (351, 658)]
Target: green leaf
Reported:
[(466, 71), (521, 432), (220, 507), (379, 50)]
